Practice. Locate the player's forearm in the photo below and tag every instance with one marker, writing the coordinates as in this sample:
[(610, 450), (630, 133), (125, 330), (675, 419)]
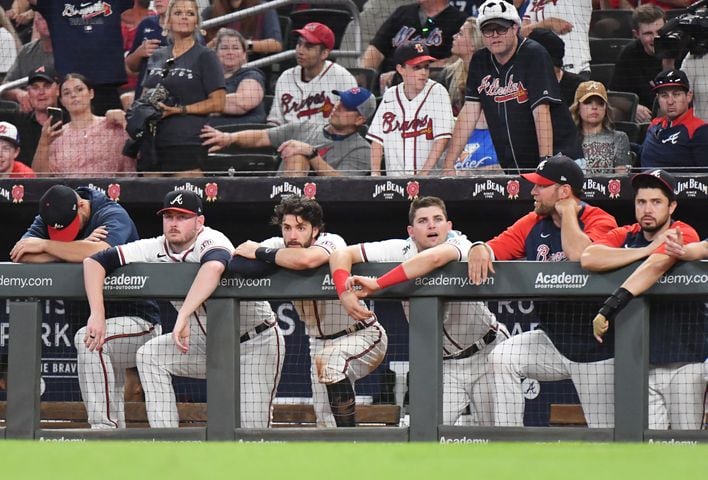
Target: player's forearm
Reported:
[(74, 252), (648, 273), (38, 258), (203, 286), (344, 259), (429, 260), (696, 251), (544, 130), (601, 258), (573, 239), (301, 258), (94, 275)]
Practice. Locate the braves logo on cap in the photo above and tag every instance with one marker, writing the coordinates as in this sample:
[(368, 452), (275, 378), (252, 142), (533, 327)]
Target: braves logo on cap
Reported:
[(3, 128), (177, 200), (655, 173)]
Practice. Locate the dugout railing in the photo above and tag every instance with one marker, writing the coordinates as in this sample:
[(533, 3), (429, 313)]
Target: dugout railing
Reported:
[(24, 285)]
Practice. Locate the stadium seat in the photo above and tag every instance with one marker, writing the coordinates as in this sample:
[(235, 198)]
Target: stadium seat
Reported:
[(611, 24), (268, 102), (624, 105), (365, 77), (602, 72), (286, 26), (337, 20), (239, 164), (8, 106), (606, 50), (643, 127), (630, 128)]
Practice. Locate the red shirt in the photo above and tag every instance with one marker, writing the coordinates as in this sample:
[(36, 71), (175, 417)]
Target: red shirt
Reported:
[(20, 170), (631, 236)]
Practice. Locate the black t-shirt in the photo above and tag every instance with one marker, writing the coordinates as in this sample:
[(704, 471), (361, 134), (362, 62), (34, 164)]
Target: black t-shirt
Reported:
[(569, 84), (633, 72), (509, 93), (404, 25)]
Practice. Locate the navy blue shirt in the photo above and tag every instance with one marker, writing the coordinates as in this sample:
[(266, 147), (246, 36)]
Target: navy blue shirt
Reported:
[(121, 229)]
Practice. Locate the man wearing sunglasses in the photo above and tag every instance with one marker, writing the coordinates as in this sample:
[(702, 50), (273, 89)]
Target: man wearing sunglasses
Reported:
[(513, 82)]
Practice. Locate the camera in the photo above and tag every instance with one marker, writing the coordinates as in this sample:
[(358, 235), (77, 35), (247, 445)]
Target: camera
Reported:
[(687, 32)]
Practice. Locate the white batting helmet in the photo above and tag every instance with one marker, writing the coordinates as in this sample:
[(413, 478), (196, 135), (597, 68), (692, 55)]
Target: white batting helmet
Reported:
[(497, 10)]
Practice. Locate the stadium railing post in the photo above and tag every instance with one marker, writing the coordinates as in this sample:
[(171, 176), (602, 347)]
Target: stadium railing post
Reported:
[(425, 355), (24, 365), (632, 371), (223, 365)]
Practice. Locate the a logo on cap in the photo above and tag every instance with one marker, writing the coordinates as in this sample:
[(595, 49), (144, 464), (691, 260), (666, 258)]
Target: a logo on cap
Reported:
[(656, 173), (3, 128), (177, 200), (355, 90), (541, 165), (593, 86), (418, 48)]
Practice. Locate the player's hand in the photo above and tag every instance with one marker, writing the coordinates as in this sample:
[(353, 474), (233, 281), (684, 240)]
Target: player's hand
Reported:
[(674, 243), (479, 264), (247, 249), (95, 333), (354, 307), (367, 286), (214, 139), (27, 245), (180, 334), (567, 206), (98, 235), (291, 148), (599, 326)]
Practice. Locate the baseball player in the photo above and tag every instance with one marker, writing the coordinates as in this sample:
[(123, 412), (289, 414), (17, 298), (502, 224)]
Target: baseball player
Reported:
[(183, 352), (469, 329), (304, 92), (342, 349), (513, 82), (413, 123), (559, 229), (677, 332), (71, 226)]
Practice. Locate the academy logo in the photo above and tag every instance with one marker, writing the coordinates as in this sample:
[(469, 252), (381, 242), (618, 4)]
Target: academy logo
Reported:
[(561, 280), (124, 282), (327, 283), (388, 190), (285, 189), (693, 188)]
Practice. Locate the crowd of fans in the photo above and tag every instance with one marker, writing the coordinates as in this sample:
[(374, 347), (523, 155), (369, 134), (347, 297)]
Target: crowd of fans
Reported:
[(518, 78)]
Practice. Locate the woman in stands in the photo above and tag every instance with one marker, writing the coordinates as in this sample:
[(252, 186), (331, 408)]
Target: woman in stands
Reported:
[(479, 153), (193, 76), (88, 145), (262, 30), (245, 86), (606, 150)]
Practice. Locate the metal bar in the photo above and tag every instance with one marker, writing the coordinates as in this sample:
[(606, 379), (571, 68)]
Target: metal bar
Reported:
[(425, 390), (356, 434), (23, 370), (223, 365)]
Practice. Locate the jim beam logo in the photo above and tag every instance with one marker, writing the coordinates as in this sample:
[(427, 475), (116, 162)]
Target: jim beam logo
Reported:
[(97, 188), (692, 188), (192, 188), (388, 190), (211, 190), (285, 189), (488, 189), (614, 186), (512, 189), (594, 189)]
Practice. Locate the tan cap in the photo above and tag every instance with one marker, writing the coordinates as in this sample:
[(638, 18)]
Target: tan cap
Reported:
[(590, 89)]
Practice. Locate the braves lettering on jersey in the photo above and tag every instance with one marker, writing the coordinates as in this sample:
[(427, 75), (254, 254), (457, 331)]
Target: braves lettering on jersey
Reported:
[(509, 94), (407, 129), (678, 144), (577, 42), (677, 330), (404, 25), (296, 100)]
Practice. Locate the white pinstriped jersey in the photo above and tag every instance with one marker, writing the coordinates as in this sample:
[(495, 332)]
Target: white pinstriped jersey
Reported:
[(407, 129), (313, 101), (156, 250), (321, 317), (465, 322)]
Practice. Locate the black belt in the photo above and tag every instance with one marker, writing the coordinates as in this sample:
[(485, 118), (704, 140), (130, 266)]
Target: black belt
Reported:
[(354, 328), (251, 334), (488, 338)]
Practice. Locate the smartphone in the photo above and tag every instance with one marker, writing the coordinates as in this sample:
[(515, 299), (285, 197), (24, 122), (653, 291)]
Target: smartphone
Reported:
[(55, 114)]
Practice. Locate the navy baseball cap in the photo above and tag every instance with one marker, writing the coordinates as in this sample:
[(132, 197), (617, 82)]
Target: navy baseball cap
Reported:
[(671, 78), (554, 45), (359, 99), (412, 53), (59, 210), (42, 73), (557, 169), (183, 201), (660, 178)]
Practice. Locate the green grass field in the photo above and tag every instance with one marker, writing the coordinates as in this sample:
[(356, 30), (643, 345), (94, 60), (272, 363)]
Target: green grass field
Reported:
[(361, 461)]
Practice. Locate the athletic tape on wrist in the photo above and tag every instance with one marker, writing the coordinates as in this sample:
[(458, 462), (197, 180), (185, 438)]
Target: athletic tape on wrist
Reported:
[(266, 254), (616, 302), (340, 277), (393, 277)]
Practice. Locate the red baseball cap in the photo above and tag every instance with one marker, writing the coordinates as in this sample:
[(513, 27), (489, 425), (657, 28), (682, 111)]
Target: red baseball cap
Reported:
[(318, 34)]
